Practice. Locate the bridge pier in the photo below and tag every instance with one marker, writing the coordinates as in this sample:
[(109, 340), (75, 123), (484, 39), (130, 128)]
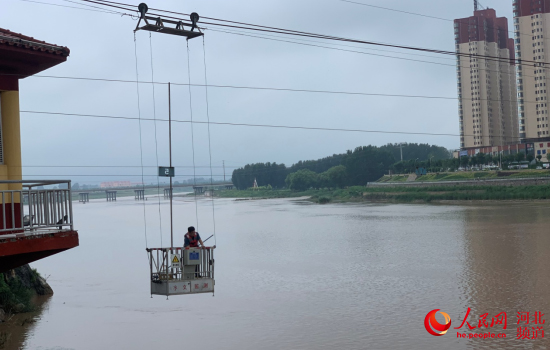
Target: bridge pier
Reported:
[(83, 197), (111, 196), (199, 189), (139, 195)]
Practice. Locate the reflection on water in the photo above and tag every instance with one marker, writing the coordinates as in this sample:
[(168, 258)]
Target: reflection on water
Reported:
[(507, 254), (17, 328), (294, 275)]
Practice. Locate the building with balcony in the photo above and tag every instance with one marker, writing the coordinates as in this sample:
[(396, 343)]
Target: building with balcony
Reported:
[(36, 220), (532, 31), (486, 87)]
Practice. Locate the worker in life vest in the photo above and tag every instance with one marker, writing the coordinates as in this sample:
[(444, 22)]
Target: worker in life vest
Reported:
[(192, 239)]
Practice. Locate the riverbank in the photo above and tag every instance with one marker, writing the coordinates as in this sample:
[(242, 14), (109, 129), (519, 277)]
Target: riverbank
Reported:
[(18, 287), (468, 176), (403, 194)]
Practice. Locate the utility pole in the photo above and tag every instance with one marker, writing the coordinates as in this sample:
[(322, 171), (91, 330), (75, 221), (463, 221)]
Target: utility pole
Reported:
[(170, 150), (401, 147), (223, 170)]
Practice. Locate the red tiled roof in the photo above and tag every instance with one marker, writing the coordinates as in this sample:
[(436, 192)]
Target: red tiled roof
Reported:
[(15, 39)]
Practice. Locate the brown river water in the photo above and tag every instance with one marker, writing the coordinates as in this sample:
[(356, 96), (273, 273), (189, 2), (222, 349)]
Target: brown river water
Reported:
[(296, 275)]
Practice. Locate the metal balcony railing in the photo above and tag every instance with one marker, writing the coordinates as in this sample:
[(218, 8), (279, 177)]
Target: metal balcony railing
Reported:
[(35, 208)]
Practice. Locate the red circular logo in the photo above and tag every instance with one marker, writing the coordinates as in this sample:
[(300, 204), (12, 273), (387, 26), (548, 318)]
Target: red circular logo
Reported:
[(435, 328)]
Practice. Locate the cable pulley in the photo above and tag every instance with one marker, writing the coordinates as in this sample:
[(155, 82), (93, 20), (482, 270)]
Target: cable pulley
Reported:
[(160, 26)]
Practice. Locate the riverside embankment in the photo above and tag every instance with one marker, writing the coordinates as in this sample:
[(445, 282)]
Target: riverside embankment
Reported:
[(491, 189), (17, 288)]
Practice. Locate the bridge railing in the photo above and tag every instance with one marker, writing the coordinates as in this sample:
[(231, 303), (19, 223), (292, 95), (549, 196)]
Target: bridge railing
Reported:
[(34, 208)]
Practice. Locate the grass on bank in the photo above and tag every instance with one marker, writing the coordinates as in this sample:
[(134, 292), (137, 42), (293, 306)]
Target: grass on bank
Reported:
[(402, 194), (14, 296), (470, 175)]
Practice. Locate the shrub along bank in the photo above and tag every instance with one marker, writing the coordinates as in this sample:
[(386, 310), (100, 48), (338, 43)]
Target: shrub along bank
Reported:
[(401, 194), (17, 287)]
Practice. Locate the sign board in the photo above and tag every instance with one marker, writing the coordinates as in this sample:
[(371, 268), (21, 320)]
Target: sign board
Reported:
[(166, 171), (464, 153), (191, 256), (176, 261), (179, 287), (477, 151)]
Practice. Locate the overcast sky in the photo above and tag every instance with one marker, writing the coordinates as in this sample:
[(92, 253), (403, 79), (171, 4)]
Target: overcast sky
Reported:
[(102, 46)]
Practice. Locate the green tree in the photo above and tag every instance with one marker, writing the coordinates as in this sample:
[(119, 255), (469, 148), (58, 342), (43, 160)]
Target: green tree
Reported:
[(422, 151), (368, 163), (302, 180), (337, 176), (520, 156), (530, 157)]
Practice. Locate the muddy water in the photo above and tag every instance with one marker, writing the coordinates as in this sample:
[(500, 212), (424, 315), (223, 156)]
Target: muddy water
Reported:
[(293, 275)]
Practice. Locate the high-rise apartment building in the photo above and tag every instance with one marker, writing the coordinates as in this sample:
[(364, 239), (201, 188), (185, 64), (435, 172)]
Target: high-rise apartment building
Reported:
[(486, 86), (532, 32)]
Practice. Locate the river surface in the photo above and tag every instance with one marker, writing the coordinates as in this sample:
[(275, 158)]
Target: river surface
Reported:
[(296, 275)]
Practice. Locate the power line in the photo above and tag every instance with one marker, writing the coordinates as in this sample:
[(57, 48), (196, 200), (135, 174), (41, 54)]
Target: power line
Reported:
[(264, 36), (123, 175), (321, 36), (296, 90), (521, 62), (513, 73), (78, 8), (425, 16), (111, 166), (264, 125)]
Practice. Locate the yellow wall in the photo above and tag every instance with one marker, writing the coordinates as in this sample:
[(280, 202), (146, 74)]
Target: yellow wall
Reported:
[(11, 134)]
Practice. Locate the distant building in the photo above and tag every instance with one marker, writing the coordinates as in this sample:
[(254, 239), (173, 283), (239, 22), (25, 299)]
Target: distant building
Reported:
[(532, 31), (111, 184), (486, 88)]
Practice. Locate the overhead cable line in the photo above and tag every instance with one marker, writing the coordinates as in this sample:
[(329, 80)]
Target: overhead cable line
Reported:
[(319, 91), (461, 20), (75, 7), (156, 141), (140, 137), (326, 37), (209, 138), (192, 132), (111, 166), (265, 125)]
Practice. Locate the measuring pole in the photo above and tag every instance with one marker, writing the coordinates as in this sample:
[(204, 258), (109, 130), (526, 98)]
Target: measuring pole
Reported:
[(170, 148), (224, 171)]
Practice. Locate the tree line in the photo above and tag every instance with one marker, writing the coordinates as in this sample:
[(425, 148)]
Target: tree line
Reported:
[(355, 167)]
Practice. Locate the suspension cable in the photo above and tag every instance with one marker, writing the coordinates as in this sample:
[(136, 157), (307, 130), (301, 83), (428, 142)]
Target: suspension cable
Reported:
[(140, 139), (156, 142), (209, 143), (192, 137)]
